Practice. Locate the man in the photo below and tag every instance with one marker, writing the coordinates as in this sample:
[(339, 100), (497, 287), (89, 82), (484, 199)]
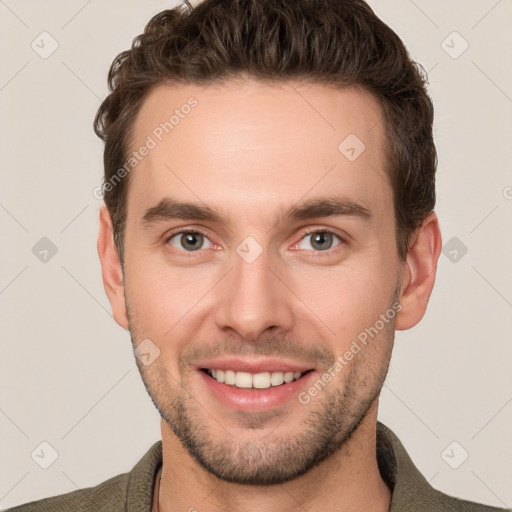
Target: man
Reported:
[(269, 190)]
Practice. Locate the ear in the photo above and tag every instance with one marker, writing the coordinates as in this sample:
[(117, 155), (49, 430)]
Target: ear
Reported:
[(111, 269), (419, 273)]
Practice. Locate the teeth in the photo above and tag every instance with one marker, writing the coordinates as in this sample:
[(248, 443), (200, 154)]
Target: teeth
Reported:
[(229, 377), (276, 378), (243, 380), (261, 380), (247, 380)]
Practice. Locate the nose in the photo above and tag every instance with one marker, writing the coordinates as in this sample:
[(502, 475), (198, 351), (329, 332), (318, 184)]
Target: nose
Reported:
[(253, 299)]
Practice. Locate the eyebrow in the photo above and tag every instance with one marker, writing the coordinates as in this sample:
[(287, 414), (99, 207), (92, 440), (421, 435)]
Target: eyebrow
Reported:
[(169, 209)]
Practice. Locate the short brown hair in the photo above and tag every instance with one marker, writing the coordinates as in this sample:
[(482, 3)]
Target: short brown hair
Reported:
[(332, 42)]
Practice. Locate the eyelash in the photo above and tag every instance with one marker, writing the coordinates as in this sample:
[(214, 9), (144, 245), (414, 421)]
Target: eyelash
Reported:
[(304, 235)]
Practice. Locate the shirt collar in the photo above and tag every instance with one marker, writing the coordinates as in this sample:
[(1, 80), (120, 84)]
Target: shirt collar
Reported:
[(395, 465)]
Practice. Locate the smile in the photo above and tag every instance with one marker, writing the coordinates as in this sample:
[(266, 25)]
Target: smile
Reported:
[(246, 380)]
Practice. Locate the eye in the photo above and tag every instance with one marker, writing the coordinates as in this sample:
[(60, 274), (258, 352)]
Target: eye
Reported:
[(188, 240), (321, 240)]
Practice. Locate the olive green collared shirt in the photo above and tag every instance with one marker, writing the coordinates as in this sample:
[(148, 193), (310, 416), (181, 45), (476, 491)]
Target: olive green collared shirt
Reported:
[(133, 491)]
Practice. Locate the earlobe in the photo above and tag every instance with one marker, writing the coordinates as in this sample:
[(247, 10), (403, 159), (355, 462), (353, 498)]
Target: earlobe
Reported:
[(419, 272), (111, 270)]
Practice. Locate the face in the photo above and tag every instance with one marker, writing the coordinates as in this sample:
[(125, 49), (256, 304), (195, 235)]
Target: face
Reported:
[(260, 251)]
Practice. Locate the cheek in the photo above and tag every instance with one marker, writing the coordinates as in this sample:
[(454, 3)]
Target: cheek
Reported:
[(153, 286), (166, 300), (347, 299)]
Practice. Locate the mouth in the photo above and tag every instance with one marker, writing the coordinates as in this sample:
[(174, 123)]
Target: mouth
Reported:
[(253, 385), (260, 380)]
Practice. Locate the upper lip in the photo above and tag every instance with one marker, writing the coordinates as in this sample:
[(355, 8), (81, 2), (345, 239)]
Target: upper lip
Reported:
[(252, 365)]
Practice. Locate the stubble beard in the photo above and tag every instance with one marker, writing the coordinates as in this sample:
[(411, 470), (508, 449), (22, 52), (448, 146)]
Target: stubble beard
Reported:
[(331, 419)]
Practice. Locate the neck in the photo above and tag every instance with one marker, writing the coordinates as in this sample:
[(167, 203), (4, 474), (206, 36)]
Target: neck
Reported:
[(347, 480)]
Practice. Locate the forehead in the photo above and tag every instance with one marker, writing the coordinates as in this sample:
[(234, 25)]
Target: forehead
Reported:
[(249, 142)]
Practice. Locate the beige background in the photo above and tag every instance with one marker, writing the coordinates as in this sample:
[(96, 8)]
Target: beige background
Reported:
[(67, 373)]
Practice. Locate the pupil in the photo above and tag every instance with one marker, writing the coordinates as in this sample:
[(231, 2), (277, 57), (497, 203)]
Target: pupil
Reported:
[(321, 238), (192, 238)]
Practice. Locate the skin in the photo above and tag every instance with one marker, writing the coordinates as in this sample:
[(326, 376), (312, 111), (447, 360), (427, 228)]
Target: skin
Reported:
[(252, 150)]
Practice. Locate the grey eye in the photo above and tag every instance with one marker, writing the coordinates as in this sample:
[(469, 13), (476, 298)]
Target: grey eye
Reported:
[(320, 240), (188, 240)]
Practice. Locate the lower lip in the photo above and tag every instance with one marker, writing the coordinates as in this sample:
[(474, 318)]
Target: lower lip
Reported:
[(256, 400)]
